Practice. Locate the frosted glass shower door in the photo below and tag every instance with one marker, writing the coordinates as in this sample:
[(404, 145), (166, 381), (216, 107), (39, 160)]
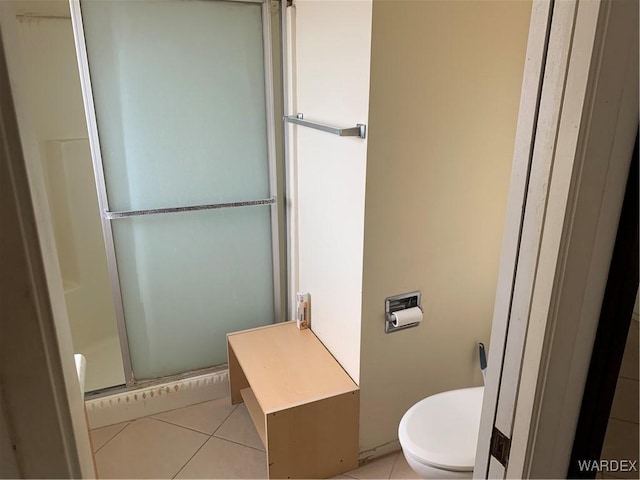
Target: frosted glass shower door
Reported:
[(182, 148)]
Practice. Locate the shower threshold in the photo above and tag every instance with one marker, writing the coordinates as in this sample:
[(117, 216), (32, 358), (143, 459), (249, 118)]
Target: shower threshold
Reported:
[(149, 397)]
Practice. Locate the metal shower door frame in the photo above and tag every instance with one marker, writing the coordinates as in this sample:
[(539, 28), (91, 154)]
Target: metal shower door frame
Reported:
[(106, 216)]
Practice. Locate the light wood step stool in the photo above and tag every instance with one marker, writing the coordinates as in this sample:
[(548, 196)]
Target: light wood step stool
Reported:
[(303, 404)]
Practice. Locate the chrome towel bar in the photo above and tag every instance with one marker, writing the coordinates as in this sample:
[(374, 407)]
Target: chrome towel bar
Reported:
[(360, 130), (212, 206)]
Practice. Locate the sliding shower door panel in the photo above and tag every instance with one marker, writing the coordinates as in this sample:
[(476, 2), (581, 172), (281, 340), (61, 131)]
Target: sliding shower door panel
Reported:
[(181, 104), (179, 93), (186, 282)]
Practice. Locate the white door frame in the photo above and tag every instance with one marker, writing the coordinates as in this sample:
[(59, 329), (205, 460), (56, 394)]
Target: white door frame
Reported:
[(37, 317), (545, 321)]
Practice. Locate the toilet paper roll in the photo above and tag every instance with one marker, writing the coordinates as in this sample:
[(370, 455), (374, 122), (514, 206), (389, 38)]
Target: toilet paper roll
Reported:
[(407, 316)]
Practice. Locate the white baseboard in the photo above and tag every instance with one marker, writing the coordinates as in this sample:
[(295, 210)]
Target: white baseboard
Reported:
[(125, 406), (379, 451)]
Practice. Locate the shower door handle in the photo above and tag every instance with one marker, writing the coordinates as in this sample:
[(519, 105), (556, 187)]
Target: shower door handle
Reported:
[(191, 208)]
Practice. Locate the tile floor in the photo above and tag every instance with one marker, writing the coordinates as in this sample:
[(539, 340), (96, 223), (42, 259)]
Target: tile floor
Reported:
[(218, 440), (209, 440), (621, 440)]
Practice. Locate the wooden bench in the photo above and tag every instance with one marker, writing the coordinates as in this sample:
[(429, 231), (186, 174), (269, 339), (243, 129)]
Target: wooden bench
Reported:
[(304, 405)]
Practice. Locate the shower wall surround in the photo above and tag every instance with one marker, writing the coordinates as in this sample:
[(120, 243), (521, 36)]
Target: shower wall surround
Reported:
[(56, 117)]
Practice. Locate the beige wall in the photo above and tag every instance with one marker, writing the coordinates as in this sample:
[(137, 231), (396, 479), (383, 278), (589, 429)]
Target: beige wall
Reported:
[(445, 87), (332, 46)]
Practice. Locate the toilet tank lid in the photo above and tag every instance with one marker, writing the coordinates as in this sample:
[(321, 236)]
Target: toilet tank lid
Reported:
[(442, 430)]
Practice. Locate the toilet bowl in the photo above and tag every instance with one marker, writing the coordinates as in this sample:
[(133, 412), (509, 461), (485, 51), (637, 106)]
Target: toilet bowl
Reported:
[(439, 434)]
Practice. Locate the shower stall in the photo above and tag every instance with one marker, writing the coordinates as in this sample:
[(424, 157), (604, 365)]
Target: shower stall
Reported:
[(181, 209)]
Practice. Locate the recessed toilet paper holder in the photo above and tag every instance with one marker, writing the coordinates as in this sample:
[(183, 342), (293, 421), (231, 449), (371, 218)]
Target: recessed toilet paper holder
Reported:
[(397, 303)]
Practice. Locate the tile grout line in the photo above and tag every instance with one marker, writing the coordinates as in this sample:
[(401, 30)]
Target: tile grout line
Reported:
[(210, 436), (206, 438), (393, 467), (180, 426), (153, 417), (371, 462), (238, 443), (187, 406), (623, 420), (235, 407), (233, 441), (179, 408), (217, 438), (191, 458), (117, 433)]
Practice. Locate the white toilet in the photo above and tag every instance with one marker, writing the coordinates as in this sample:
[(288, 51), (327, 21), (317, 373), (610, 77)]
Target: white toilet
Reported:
[(439, 434)]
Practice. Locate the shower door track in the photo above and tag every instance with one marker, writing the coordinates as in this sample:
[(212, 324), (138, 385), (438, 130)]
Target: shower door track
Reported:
[(138, 384)]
